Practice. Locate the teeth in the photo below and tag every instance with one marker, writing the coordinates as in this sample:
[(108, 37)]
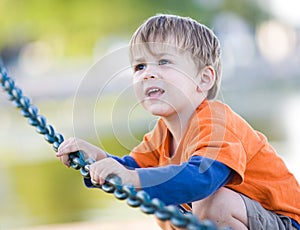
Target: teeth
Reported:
[(152, 91)]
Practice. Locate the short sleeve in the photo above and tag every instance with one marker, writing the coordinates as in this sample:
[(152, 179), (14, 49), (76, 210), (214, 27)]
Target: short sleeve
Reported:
[(211, 136)]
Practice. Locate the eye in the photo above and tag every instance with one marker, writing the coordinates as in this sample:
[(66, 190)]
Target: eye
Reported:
[(140, 67), (163, 62)]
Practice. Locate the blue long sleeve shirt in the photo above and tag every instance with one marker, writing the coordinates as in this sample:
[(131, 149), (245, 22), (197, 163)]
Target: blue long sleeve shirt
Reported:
[(177, 184)]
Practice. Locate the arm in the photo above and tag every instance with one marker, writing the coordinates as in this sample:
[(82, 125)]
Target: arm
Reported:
[(176, 184), (173, 184), (190, 181), (127, 161)]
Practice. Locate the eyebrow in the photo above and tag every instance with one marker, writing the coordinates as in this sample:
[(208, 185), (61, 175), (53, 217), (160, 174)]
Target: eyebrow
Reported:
[(159, 55), (141, 59)]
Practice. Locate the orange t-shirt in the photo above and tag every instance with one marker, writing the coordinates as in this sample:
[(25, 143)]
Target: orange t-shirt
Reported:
[(215, 131)]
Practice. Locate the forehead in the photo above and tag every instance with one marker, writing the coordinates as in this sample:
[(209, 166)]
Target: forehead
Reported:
[(150, 49)]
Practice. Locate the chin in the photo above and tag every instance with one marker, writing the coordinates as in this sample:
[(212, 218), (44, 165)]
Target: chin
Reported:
[(159, 110), (157, 113)]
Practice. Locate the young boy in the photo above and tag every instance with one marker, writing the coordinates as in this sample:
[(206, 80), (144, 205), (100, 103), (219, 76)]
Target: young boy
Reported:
[(200, 152)]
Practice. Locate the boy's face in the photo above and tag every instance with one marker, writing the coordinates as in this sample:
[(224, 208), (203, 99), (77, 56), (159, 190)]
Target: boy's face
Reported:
[(165, 79)]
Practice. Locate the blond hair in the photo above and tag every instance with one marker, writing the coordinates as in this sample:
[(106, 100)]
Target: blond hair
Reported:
[(188, 34)]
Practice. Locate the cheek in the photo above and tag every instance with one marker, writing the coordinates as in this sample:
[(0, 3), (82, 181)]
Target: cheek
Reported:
[(182, 84), (183, 92), (138, 90)]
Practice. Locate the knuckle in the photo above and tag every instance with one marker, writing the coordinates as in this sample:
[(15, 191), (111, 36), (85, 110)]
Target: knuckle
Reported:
[(72, 140)]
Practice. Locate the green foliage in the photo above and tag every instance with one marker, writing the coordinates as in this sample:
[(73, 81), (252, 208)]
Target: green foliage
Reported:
[(80, 24), (246, 9)]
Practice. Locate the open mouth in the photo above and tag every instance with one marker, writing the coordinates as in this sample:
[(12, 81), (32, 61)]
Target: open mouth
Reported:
[(154, 92)]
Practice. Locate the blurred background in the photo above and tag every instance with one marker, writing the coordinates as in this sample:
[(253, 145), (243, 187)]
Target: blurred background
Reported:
[(56, 49)]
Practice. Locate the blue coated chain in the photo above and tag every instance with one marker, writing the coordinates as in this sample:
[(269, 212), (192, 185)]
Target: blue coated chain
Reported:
[(113, 183)]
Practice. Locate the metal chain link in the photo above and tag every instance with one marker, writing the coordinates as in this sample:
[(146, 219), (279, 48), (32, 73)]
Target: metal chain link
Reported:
[(113, 183)]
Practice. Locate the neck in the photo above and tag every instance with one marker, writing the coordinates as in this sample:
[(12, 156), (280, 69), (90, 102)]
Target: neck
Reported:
[(177, 124)]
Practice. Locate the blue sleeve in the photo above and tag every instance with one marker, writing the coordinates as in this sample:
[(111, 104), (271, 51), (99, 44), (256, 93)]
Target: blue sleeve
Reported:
[(295, 224), (127, 161), (177, 184)]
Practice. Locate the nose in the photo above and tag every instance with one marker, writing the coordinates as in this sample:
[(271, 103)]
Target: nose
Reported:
[(150, 73), (147, 76)]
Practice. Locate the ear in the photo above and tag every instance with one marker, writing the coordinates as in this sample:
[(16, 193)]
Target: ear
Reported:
[(206, 79)]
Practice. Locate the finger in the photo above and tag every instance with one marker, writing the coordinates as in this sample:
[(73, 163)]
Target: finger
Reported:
[(95, 183), (67, 147), (96, 179), (66, 142), (65, 160), (107, 167), (99, 172)]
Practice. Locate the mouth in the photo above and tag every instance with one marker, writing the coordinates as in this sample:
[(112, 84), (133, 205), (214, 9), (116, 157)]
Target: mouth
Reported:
[(154, 92)]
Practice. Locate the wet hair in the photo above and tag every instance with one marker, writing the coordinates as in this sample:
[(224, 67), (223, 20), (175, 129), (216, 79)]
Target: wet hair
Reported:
[(188, 35)]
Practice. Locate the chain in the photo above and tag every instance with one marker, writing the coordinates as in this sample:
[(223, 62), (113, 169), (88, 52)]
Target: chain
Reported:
[(113, 183)]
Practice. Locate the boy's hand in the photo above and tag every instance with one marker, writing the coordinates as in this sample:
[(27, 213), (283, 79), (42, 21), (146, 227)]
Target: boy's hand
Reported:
[(101, 169), (73, 145)]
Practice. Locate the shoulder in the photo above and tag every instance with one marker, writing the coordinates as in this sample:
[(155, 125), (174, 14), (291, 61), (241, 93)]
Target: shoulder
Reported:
[(217, 113), (214, 108), (212, 113)]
